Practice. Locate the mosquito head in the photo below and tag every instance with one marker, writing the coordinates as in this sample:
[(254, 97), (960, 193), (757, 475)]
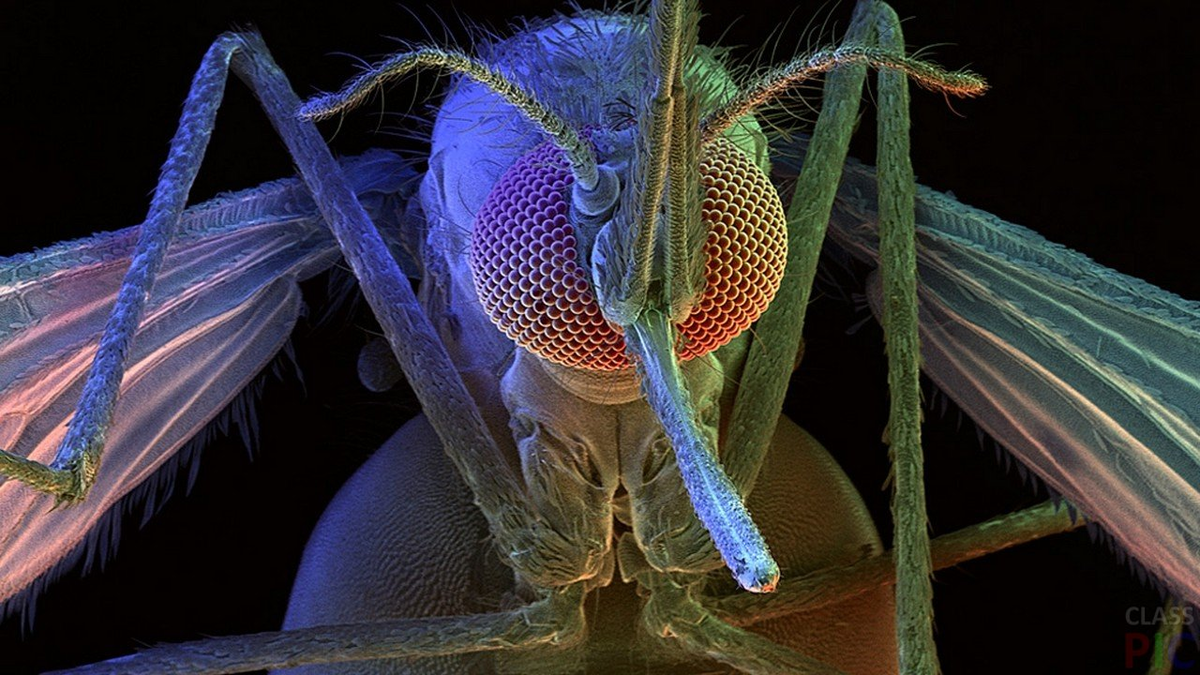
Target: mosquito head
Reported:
[(690, 252)]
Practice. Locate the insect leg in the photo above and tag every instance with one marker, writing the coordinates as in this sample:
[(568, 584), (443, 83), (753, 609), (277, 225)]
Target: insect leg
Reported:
[(524, 541), (772, 353), (525, 545), (413, 340), (874, 30), (74, 468), (539, 622), (779, 329), (897, 227)]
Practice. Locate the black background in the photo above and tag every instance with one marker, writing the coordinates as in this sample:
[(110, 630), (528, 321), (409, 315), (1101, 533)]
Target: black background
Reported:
[(1083, 138)]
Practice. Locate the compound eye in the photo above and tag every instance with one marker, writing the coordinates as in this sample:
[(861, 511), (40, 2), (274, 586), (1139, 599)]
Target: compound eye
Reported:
[(746, 248), (523, 260)]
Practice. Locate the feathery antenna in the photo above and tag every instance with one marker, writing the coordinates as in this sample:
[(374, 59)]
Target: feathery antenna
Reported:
[(579, 154), (769, 85)]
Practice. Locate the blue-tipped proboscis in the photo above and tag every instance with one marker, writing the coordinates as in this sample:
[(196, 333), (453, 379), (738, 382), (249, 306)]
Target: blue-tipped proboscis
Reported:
[(720, 509)]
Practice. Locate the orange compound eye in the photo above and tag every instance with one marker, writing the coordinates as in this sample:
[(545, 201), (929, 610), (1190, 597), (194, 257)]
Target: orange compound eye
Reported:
[(523, 260), (746, 248)]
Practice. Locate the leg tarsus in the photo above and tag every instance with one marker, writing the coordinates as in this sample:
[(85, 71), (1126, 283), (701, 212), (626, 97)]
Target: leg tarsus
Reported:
[(61, 483)]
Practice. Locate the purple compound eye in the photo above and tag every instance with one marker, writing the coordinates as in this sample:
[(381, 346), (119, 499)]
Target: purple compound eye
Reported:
[(523, 260)]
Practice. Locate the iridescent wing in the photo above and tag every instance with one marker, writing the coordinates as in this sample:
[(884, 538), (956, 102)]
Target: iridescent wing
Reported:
[(1088, 376), (222, 308)]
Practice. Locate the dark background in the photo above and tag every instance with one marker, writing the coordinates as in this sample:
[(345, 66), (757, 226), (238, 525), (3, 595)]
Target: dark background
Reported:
[(1083, 138)]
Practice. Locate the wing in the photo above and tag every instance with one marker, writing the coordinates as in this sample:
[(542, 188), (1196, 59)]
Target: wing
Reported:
[(1090, 377), (222, 307)]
